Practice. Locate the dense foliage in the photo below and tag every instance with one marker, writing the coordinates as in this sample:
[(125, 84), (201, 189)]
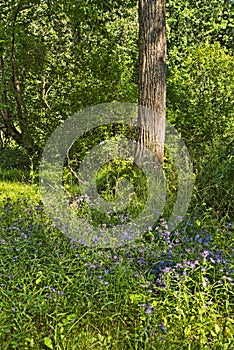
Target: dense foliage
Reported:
[(168, 290)]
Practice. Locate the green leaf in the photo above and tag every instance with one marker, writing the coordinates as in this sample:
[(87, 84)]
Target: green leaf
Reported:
[(71, 317), (135, 297), (217, 329), (38, 280), (187, 330), (48, 342)]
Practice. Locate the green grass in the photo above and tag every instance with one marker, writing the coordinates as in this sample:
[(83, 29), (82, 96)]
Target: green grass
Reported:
[(15, 184), (171, 292), (15, 190)]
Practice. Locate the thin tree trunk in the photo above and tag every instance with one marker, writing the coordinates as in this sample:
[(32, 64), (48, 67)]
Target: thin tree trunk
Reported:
[(152, 78), (8, 127), (15, 77), (22, 134), (23, 137)]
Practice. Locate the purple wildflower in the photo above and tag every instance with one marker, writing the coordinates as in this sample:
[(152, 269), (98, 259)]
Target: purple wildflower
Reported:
[(163, 328)]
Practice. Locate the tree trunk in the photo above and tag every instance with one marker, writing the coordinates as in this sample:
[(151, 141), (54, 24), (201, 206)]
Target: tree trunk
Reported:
[(21, 132), (7, 127), (152, 78)]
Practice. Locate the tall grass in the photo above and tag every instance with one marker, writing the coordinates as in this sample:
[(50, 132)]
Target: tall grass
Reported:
[(169, 291)]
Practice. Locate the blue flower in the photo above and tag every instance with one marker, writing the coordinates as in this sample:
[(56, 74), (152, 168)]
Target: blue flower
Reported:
[(163, 328), (149, 310)]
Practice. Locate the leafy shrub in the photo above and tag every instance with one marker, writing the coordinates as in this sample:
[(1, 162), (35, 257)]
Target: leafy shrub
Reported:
[(200, 105), (14, 158)]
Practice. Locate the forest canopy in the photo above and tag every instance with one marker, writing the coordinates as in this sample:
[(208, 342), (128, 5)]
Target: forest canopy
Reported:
[(58, 57)]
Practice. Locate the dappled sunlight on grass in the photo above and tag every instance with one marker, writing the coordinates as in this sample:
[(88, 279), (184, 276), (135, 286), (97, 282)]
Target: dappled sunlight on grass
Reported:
[(167, 291), (14, 190)]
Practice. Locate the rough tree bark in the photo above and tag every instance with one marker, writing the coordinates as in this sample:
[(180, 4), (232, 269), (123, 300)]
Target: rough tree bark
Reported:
[(152, 78)]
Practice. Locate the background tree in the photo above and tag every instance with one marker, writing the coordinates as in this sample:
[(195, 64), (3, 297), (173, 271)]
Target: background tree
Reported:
[(58, 57), (55, 48), (190, 23)]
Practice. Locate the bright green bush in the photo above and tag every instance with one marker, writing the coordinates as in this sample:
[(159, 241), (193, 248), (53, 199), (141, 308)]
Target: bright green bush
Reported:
[(201, 106)]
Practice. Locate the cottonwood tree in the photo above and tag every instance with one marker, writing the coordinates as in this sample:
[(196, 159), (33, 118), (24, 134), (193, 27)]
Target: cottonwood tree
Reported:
[(152, 77)]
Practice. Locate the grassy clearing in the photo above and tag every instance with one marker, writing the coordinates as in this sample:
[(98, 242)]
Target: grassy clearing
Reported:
[(15, 184), (15, 190), (171, 291)]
